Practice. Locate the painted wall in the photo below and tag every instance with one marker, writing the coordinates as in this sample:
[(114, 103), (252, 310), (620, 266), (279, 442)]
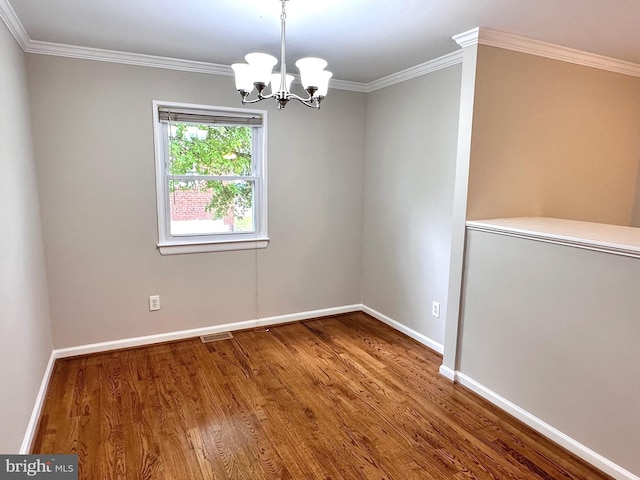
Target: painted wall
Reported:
[(25, 327), (92, 123), (555, 330), (408, 197), (635, 212), (553, 139)]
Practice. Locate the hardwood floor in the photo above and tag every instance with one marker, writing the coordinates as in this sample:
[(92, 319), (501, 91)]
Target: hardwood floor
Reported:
[(342, 397)]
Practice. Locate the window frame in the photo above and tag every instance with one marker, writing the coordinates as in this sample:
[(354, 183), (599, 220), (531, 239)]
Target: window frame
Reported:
[(179, 244)]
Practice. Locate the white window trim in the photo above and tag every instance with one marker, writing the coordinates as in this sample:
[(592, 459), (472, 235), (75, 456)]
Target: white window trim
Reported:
[(173, 245)]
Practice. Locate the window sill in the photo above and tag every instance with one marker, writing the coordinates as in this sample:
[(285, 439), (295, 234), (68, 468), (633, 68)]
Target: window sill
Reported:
[(176, 248)]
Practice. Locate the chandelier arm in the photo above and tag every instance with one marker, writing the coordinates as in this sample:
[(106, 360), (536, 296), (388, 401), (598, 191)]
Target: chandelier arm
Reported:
[(282, 99), (315, 106), (299, 98), (259, 98), (255, 100), (309, 102)]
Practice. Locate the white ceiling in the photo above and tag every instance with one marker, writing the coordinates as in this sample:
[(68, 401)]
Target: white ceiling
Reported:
[(363, 40)]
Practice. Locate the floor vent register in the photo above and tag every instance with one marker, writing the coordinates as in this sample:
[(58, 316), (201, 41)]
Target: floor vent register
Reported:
[(216, 337)]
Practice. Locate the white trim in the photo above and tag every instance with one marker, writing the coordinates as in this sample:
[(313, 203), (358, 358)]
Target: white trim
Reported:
[(575, 447), (557, 239), (207, 247), (153, 61), (453, 58), (423, 339), (247, 324), (345, 85), (196, 332), (127, 58), (448, 373), (11, 20), (468, 38), (509, 41), (32, 427), (459, 210)]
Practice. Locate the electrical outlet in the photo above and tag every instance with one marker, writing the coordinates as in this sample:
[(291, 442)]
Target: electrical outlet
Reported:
[(154, 303), (435, 309)]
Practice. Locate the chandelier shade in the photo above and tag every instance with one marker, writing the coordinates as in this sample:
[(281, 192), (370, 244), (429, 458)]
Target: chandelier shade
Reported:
[(276, 81), (323, 83), (261, 65), (243, 75), (257, 74), (310, 71)]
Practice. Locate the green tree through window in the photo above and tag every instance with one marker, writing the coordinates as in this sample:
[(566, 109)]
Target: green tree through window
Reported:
[(198, 149)]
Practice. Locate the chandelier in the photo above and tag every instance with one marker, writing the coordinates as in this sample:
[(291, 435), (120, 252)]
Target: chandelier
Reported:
[(257, 73)]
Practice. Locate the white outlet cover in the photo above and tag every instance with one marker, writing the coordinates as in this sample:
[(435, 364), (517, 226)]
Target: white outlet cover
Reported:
[(154, 303)]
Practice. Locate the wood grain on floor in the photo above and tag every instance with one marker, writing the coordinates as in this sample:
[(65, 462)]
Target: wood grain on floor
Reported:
[(343, 397)]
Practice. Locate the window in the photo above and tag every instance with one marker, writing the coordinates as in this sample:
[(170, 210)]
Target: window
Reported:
[(210, 178)]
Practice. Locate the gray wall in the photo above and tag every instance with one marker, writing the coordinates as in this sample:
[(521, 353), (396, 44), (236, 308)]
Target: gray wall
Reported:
[(555, 330), (25, 328), (408, 198), (94, 147)]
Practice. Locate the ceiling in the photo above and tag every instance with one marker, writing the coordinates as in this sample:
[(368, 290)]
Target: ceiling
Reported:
[(363, 40)]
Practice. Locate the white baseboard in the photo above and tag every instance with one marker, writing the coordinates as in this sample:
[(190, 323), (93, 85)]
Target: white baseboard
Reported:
[(448, 373), (575, 447), (182, 334), (32, 427), (432, 344)]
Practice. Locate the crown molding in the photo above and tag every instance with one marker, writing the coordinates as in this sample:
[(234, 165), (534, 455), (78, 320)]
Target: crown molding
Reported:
[(508, 41), (142, 60), (468, 38), (346, 85), (127, 58), (423, 69), (13, 23)]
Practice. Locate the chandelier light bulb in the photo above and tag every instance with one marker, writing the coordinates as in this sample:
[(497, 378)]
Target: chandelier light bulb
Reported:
[(276, 79)]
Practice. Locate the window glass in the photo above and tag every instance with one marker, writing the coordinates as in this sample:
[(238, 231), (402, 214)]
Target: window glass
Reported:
[(205, 207)]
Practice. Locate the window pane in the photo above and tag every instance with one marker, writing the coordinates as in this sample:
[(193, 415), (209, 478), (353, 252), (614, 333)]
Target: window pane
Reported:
[(206, 207), (209, 150)]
